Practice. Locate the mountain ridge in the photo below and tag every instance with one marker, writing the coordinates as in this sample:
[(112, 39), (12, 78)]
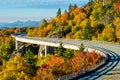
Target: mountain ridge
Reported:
[(20, 24)]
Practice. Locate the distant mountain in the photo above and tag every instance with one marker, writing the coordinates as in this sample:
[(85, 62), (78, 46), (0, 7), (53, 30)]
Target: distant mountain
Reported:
[(19, 24)]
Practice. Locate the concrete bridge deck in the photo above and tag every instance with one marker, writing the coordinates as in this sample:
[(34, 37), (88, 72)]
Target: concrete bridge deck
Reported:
[(112, 49)]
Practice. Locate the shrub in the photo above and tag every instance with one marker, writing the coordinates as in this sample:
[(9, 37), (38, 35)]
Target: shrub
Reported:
[(43, 60), (43, 74)]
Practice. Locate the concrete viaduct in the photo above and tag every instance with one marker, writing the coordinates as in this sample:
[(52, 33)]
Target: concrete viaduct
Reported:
[(113, 49), (47, 42)]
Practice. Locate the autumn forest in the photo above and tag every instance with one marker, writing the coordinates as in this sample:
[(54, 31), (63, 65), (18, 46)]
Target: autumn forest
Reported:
[(99, 20)]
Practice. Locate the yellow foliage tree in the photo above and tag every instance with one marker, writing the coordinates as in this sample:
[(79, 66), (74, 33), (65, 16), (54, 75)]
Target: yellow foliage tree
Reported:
[(108, 34), (118, 34), (94, 21), (83, 23), (117, 25), (79, 16), (64, 18), (16, 69)]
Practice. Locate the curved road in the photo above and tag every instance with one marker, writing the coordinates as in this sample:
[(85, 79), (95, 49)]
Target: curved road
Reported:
[(113, 65), (112, 49)]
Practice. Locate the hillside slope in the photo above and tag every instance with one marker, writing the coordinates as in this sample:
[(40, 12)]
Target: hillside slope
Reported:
[(97, 20)]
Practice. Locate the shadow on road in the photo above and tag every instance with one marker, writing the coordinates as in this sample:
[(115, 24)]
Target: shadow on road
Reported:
[(113, 62)]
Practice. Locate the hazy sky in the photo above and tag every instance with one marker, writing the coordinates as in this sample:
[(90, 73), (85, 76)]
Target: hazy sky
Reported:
[(13, 10)]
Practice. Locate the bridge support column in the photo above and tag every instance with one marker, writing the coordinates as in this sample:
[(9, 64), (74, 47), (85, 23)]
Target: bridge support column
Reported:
[(18, 44), (46, 50), (43, 50)]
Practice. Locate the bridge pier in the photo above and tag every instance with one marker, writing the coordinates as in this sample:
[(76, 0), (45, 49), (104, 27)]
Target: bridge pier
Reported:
[(46, 50), (43, 50), (18, 45)]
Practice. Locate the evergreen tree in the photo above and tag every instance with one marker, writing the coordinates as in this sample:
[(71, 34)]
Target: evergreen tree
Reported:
[(59, 12), (81, 48), (65, 11), (75, 6), (29, 57), (70, 7), (61, 50), (90, 0), (87, 33)]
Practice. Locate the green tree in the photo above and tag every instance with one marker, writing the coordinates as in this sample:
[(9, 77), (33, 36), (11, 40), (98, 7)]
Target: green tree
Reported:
[(70, 6), (87, 33), (81, 48), (59, 12), (6, 50), (30, 57), (65, 11), (61, 50), (75, 6), (68, 54)]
